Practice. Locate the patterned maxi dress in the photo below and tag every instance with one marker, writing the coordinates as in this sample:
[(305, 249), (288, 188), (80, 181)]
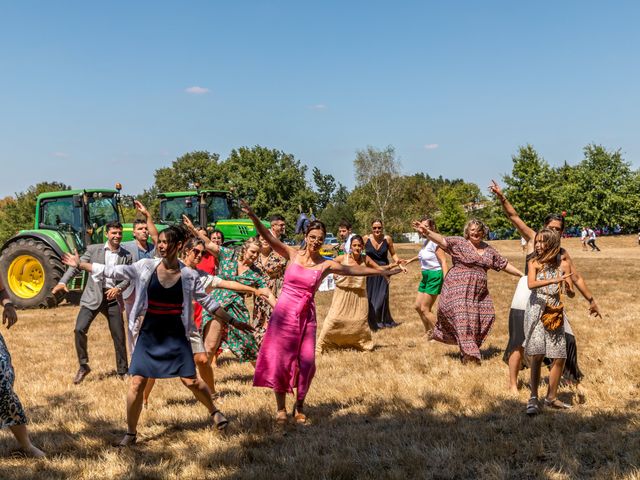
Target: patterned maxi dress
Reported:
[(11, 411), (272, 268), (465, 309), (242, 344)]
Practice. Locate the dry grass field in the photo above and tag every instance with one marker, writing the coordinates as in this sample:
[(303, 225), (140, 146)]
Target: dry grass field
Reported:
[(409, 409)]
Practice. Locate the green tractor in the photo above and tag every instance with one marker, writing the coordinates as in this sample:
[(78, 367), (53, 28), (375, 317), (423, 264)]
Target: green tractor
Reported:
[(208, 209), (31, 261)]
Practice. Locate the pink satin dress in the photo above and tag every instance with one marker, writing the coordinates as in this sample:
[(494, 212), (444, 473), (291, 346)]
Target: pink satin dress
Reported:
[(287, 356)]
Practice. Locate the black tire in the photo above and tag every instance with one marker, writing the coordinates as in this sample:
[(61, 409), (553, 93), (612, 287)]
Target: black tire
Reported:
[(52, 265)]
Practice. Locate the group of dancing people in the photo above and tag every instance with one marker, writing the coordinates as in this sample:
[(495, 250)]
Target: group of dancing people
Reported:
[(185, 302)]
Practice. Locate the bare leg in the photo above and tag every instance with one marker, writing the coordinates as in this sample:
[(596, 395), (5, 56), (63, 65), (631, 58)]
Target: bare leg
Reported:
[(205, 370), (536, 365), (22, 436), (424, 304), (147, 390), (281, 407), (554, 378), (134, 402), (515, 361), (212, 338), (200, 391)]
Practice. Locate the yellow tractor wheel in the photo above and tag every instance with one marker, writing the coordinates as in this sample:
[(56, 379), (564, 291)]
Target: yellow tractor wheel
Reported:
[(30, 268)]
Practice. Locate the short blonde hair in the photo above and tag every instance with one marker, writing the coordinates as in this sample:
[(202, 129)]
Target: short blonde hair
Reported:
[(474, 222)]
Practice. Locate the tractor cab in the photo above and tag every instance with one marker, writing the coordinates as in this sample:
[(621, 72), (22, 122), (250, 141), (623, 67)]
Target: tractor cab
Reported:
[(79, 216)]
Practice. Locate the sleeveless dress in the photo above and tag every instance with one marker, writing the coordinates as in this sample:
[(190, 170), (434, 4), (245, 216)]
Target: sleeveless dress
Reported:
[(346, 323), (287, 356), (11, 411), (378, 288), (162, 349), (465, 309), (539, 340)]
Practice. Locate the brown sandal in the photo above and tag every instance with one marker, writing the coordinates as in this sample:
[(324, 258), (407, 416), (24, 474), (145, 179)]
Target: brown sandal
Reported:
[(282, 418), (299, 417), (556, 404)]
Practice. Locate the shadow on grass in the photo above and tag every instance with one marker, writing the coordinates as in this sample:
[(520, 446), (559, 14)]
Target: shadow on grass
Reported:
[(389, 439)]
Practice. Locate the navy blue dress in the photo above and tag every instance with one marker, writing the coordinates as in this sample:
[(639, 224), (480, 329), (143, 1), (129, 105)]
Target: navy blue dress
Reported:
[(162, 349), (378, 288)]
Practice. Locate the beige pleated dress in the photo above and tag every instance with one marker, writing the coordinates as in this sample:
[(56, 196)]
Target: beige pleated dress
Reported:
[(346, 324)]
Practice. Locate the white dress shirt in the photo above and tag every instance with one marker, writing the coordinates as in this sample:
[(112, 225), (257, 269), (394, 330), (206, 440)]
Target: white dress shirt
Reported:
[(111, 259)]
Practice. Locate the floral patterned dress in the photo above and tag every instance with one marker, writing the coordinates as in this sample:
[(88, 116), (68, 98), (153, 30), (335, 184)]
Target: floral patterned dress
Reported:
[(242, 344), (465, 309), (11, 411), (273, 268)]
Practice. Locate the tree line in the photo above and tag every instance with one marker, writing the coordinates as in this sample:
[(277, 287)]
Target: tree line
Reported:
[(601, 190)]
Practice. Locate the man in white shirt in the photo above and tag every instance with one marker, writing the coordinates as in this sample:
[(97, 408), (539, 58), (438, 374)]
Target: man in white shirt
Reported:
[(345, 234), (592, 240), (100, 297)]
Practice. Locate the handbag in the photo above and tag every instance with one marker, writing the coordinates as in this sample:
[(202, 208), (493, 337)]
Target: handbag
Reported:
[(553, 315)]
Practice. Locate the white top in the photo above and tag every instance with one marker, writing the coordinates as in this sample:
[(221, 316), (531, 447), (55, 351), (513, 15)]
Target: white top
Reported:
[(583, 234), (592, 234), (111, 259), (428, 258)]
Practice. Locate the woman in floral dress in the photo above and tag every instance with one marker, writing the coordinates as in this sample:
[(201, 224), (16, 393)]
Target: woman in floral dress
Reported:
[(465, 309), (272, 266)]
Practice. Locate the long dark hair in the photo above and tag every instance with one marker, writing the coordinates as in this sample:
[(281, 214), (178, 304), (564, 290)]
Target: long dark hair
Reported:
[(316, 225), (174, 235), (554, 216)]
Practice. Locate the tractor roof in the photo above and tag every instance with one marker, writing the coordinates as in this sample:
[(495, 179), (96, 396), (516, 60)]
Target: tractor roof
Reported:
[(190, 193), (67, 193)]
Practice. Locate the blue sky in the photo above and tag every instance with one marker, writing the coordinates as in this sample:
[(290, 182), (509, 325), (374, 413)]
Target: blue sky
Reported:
[(97, 92)]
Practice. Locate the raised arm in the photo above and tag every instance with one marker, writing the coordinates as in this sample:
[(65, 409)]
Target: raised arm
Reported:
[(581, 285), (280, 248), (151, 227), (435, 237), (527, 233), (211, 247)]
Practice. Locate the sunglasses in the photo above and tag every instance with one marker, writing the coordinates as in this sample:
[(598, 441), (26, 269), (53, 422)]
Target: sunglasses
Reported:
[(197, 252), (376, 228)]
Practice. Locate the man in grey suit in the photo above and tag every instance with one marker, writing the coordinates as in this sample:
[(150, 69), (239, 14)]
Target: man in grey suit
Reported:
[(100, 297)]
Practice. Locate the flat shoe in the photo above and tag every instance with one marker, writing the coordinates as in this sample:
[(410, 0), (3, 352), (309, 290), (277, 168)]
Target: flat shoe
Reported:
[(533, 407), (128, 440), (219, 420), (556, 404)]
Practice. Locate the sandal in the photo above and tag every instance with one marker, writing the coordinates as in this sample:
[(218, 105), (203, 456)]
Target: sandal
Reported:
[(219, 420), (128, 440), (556, 404), (282, 418), (533, 407), (299, 417)]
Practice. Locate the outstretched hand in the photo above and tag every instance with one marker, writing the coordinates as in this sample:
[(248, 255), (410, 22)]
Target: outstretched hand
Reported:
[(188, 223), (594, 310), (71, 260), (246, 208), (140, 208), (495, 188)]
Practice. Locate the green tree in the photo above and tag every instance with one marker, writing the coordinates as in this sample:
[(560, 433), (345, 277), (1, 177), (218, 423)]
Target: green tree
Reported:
[(603, 190), (325, 188), (451, 216), (19, 213), (376, 172), (199, 166), (531, 186)]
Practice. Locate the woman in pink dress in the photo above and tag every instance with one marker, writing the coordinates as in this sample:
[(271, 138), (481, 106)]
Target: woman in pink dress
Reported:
[(287, 357), (465, 309)]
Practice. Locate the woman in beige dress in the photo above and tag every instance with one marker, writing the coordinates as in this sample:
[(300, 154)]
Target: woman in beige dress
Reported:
[(346, 323)]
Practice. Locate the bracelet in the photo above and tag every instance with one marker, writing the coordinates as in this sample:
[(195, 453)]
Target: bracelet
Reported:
[(8, 304), (590, 299)]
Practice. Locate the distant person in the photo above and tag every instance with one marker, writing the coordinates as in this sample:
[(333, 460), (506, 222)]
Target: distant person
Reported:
[(434, 268), (11, 412), (278, 226), (101, 296), (217, 237), (592, 240), (139, 248), (345, 232), (465, 309), (378, 247), (346, 324), (523, 245), (584, 234)]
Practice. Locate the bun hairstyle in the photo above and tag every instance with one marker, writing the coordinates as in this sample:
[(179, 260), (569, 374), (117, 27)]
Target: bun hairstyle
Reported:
[(551, 252), (554, 216), (174, 235), (474, 222), (316, 225), (248, 243)]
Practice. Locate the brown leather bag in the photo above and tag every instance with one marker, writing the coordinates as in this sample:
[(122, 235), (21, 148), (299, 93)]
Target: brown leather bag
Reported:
[(553, 315)]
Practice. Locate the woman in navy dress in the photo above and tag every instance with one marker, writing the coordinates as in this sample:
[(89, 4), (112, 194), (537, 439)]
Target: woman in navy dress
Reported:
[(165, 288)]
